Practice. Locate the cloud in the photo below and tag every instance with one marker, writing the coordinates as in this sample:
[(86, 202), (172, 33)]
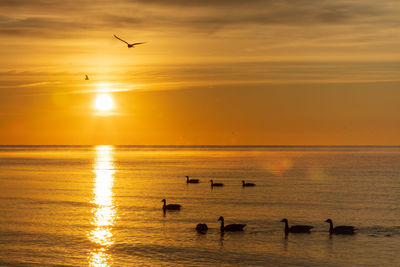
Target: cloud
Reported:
[(32, 17)]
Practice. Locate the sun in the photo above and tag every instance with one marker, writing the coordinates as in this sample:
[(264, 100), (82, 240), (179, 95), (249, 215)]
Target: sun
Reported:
[(104, 102)]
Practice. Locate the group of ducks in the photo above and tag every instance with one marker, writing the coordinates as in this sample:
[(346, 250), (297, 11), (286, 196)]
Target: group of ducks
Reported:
[(202, 227), (196, 181), (338, 230)]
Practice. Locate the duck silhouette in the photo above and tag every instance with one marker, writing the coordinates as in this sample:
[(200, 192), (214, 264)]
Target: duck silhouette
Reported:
[(230, 227), (201, 228), (340, 230), (170, 206), (244, 184), (216, 184), (296, 228), (191, 181)]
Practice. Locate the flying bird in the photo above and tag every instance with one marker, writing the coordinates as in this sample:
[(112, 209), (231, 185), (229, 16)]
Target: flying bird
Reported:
[(129, 45), (86, 77)]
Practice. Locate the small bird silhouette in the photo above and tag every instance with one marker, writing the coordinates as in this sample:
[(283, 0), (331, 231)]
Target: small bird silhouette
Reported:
[(216, 184), (86, 77), (244, 184), (129, 45)]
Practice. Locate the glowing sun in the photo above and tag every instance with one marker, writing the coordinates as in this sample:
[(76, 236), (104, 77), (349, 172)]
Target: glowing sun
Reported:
[(104, 102)]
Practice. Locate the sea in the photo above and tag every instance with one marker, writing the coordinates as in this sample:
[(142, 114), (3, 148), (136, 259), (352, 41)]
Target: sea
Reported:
[(101, 205)]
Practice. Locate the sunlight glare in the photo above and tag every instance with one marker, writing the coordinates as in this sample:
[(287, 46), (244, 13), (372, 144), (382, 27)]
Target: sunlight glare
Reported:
[(104, 210), (104, 102)]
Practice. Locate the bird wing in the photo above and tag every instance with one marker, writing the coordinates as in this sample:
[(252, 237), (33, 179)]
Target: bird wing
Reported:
[(138, 43), (120, 39)]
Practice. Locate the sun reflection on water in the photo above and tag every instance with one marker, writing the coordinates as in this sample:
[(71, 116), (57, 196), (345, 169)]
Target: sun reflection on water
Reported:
[(104, 212)]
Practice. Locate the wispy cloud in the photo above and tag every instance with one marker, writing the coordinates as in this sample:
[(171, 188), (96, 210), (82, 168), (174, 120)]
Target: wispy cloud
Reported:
[(35, 84), (31, 17)]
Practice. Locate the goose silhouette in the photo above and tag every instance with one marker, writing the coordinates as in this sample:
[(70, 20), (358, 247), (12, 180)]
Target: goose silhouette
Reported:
[(201, 228), (230, 227), (191, 181), (129, 45), (170, 206), (244, 184), (340, 230), (296, 228), (216, 184)]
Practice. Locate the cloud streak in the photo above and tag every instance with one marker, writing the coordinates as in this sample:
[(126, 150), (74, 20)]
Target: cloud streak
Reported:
[(197, 16)]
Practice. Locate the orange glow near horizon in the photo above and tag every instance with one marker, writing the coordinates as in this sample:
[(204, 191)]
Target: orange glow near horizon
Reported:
[(251, 76)]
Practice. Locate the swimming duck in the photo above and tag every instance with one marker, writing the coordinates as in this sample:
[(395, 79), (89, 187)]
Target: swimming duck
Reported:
[(230, 227), (216, 184), (296, 228), (244, 184), (191, 181), (340, 230), (170, 206), (201, 228)]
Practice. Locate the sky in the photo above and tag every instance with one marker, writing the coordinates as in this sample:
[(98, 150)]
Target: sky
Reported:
[(289, 72)]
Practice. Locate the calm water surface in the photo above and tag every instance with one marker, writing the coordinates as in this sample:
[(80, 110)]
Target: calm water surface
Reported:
[(101, 206)]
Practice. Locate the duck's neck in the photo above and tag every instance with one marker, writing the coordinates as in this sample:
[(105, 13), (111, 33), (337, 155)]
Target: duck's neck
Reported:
[(187, 179), (222, 225), (286, 226), (164, 206), (330, 227)]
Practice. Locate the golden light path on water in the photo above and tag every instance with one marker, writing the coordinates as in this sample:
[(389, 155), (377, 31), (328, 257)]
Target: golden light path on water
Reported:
[(104, 212)]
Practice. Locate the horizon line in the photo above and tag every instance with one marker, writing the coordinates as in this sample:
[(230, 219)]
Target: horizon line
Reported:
[(93, 145)]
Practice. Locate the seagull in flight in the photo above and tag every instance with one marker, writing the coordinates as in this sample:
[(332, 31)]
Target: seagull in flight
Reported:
[(86, 77), (129, 45)]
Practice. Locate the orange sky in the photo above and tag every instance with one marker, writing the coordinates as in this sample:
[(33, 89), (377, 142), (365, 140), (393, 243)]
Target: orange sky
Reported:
[(293, 72)]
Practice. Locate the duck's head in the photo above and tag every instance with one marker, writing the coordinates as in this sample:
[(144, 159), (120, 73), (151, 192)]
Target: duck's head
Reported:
[(221, 218), (187, 177), (284, 220), (163, 200), (211, 181), (328, 221), (243, 181)]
